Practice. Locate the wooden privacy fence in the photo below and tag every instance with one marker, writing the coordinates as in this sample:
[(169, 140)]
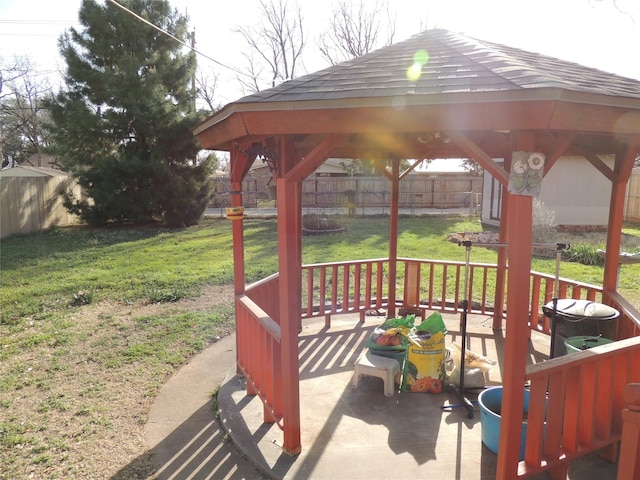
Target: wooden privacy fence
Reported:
[(222, 193), (30, 204), (418, 191)]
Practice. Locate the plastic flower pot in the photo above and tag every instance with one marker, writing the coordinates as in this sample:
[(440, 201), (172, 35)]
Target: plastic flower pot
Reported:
[(578, 344)]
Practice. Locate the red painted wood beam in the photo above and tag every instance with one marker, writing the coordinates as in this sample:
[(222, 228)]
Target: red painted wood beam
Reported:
[(598, 163), (393, 235), (555, 152), (290, 265), (313, 159), (382, 169), (290, 268), (519, 220), (237, 235), (475, 152), (410, 169), (622, 168), (237, 230)]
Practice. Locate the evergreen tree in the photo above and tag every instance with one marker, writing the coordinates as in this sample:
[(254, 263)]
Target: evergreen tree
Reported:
[(122, 124)]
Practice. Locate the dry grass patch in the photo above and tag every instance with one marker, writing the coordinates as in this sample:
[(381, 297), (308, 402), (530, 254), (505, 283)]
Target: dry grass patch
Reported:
[(74, 398)]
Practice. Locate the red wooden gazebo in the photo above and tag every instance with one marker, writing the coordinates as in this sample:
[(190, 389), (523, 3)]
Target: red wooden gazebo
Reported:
[(435, 95)]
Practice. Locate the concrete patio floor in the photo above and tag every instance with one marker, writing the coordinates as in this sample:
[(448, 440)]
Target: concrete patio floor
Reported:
[(361, 434), (346, 433)]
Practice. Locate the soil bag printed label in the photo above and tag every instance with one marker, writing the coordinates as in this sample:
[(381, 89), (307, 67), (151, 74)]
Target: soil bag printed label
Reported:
[(424, 369)]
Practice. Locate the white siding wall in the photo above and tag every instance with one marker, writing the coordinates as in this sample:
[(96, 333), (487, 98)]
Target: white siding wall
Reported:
[(574, 189)]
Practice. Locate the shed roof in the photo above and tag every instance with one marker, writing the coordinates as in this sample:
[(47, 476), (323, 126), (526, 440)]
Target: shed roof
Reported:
[(29, 171)]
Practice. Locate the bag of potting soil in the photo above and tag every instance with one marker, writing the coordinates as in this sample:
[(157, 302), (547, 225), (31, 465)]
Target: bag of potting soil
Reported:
[(392, 334), (424, 368)]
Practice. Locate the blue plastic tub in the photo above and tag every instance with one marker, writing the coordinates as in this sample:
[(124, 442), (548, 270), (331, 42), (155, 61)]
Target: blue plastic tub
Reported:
[(490, 401)]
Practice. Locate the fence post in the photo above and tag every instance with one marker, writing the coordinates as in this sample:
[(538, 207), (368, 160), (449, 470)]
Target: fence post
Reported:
[(629, 463)]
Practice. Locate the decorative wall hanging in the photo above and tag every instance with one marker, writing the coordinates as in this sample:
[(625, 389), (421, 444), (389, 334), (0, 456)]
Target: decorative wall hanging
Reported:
[(526, 173)]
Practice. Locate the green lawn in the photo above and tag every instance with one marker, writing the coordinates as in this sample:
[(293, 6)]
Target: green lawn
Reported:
[(46, 273)]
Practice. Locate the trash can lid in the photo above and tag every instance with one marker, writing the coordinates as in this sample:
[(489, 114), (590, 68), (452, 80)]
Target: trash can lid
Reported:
[(573, 309)]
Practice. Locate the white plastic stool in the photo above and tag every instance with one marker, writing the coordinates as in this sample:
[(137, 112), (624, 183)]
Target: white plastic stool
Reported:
[(376, 366)]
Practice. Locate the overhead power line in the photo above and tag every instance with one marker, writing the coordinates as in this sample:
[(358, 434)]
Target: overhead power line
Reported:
[(190, 47)]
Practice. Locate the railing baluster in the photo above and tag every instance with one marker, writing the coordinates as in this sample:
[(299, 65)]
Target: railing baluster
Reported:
[(322, 294), (345, 288), (310, 285), (368, 275), (443, 299), (334, 289), (485, 277), (357, 269), (379, 283), (431, 276)]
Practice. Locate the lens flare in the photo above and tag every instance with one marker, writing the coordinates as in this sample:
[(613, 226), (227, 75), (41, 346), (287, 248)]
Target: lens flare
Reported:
[(414, 72), (420, 59)]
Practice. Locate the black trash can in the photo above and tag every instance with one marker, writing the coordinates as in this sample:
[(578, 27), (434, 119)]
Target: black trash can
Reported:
[(577, 318)]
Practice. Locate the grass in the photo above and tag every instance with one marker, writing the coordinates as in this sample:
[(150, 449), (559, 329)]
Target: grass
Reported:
[(94, 320)]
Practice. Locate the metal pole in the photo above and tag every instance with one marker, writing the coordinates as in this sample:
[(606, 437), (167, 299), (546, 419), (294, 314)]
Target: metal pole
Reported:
[(556, 294), (464, 402)]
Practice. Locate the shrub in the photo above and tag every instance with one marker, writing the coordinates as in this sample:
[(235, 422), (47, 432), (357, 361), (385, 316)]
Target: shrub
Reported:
[(584, 254)]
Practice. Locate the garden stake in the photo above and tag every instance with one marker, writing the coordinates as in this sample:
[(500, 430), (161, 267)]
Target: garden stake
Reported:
[(464, 402), (556, 292)]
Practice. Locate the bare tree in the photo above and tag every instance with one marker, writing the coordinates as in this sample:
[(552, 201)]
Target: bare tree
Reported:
[(356, 28), (23, 133), (206, 83), (275, 45)]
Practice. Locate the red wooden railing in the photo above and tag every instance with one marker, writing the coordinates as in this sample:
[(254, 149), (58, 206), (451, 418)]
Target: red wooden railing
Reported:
[(580, 418), (575, 405), (629, 322), (357, 286), (258, 345), (343, 287), (629, 464)]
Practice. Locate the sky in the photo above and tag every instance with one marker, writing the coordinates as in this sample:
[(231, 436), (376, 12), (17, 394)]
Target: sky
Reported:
[(603, 34)]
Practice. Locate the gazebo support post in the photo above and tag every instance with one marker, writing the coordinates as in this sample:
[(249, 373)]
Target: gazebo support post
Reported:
[(237, 235), (393, 236), (519, 219), (290, 268), (622, 171)]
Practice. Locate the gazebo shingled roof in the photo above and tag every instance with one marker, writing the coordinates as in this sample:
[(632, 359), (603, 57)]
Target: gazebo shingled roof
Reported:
[(460, 71), (473, 99), (456, 64)]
